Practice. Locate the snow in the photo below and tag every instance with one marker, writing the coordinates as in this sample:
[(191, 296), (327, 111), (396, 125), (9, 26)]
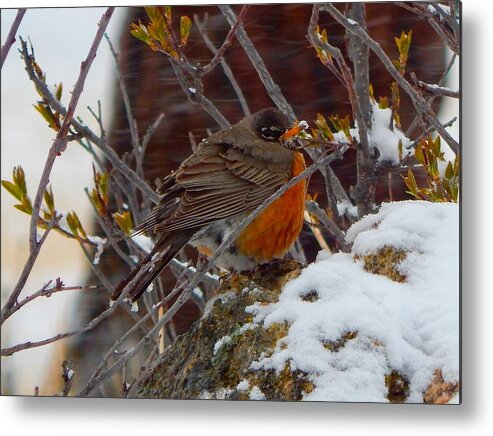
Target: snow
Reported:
[(411, 327), (193, 269), (247, 326), (440, 88), (100, 242), (242, 386), (381, 137), (345, 207), (448, 156), (198, 293), (220, 343), (223, 394), (386, 141), (256, 394), (444, 8), (303, 125), (144, 242)]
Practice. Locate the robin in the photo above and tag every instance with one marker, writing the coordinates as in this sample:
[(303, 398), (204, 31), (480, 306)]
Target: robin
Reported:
[(229, 175)]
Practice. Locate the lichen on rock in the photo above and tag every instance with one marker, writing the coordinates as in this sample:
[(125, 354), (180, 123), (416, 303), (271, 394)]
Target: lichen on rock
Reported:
[(385, 261), (213, 360)]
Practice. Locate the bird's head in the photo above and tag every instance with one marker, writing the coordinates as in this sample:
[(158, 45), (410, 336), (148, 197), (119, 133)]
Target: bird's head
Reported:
[(270, 124)]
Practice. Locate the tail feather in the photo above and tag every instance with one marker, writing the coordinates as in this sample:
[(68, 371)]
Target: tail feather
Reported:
[(154, 267)]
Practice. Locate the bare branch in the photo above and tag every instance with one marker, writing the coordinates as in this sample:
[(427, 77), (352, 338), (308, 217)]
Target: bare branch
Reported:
[(430, 130), (99, 118), (8, 351), (11, 36), (93, 380), (109, 234), (150, 131)]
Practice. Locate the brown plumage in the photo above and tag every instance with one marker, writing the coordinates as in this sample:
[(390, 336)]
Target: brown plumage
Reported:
[(229, 175)]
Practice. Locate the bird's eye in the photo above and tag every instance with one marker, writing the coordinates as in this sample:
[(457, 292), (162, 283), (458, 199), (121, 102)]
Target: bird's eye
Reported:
[(271, 132)]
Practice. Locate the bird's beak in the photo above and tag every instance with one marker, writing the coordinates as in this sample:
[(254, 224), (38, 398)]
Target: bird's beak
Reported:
[(288, 137), (293, 131)]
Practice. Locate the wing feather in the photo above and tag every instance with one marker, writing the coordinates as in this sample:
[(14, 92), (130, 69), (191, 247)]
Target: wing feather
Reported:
[(218, 181)]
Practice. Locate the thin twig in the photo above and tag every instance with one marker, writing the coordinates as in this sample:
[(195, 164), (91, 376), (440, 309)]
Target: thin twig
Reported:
[(97, 272), (441, 82), (219, 54), (98, 117), (445, 28), (8, 351), (128, 108), (107, 285), (144, 370), (190, 271), (226, 68), (431, 129), (109, 234), (26, 271), (150, 131), (47, 291), (11, 36)]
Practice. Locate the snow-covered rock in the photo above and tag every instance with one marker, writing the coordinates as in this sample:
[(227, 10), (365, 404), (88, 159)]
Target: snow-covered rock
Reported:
[(378, 324), (389, 310)]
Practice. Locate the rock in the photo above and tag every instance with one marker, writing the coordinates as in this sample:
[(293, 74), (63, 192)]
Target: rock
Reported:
[(213, 359), (385, 262)]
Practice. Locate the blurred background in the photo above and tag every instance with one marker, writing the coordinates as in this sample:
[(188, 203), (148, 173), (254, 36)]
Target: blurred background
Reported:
[(61, 38), (278, 32)]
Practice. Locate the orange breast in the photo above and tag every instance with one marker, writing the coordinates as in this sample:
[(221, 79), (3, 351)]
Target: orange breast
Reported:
[(277, 227)]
